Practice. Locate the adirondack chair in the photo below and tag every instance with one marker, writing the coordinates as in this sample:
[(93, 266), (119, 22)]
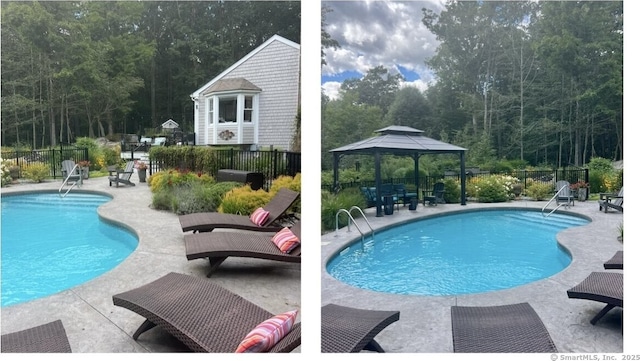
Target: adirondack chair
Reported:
[(122, 175)]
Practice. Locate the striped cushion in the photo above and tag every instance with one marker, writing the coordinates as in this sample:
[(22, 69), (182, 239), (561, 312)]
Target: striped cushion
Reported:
[(264, 336), (259, 216), (285, 240)]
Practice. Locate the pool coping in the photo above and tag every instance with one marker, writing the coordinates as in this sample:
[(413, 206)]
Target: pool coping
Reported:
[(566, 319), (93, 324)]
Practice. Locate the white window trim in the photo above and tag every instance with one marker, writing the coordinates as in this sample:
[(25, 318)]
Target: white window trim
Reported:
[(212, 125)]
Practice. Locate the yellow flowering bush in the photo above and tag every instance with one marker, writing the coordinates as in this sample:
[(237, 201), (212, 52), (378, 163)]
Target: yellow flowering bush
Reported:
[(243, 200)]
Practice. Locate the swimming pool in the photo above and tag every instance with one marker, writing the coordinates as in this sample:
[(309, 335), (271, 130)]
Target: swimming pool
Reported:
[(50, 244), (462, 253)]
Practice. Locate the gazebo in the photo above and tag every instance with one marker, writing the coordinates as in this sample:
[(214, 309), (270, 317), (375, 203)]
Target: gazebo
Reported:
[(402, 141)]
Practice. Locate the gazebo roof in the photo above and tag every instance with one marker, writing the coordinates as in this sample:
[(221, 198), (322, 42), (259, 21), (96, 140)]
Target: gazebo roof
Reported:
[(399, 140)]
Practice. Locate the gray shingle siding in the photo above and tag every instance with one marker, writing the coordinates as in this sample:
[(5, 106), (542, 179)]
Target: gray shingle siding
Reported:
[(276, 70)]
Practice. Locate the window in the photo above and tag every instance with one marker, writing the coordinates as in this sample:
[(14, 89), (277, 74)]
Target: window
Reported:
[(227, 111), (210, 110), (248, 108)]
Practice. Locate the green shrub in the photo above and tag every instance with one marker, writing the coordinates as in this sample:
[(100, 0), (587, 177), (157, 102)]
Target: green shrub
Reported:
[(172, 178), (492, 189), (597, 181), (36, 172), (332, 203), (163, 200), (539, 191), (452, 190), (600, 164), (6, 173)]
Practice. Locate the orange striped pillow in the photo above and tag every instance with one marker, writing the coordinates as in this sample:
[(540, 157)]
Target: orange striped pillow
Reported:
[(264, 336), (259, 216), (285, 240)]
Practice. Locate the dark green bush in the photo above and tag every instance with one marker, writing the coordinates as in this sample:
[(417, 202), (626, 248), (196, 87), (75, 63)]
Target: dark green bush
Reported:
[(451, 190), (332, 203)]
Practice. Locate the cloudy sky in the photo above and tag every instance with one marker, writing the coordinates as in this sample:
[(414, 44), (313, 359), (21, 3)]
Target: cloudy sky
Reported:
[(373, 33)]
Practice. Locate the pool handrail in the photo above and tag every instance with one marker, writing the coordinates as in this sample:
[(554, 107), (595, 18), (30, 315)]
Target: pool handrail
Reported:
[(71, 173), (348, 212), (565, 204)]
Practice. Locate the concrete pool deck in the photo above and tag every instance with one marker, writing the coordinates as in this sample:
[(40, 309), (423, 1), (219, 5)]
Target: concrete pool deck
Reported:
[(94, 324), (425, 322)]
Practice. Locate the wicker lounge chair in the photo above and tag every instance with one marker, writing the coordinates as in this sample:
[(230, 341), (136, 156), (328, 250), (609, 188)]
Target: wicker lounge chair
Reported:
[(615, 262), (605, 287), (608, 200), (218, 246), (122, 175), (346, 329), (207, 221), (202, 315), (514, 328), (50, 338)]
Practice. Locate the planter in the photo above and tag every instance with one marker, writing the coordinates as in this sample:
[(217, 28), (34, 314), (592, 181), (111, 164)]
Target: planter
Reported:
[(15, 172), (582, 194), (142, 175), (85, 172), (413, 204)]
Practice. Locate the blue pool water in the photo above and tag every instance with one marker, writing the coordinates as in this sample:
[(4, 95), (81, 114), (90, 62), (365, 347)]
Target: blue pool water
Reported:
[(462, 253), (50, 244)]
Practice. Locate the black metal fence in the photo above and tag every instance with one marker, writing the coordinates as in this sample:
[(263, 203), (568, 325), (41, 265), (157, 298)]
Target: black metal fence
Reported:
[(52, 157), (525, 177), (271, 163)]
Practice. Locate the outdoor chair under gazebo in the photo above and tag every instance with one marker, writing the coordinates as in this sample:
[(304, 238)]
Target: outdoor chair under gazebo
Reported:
[(401, 141)]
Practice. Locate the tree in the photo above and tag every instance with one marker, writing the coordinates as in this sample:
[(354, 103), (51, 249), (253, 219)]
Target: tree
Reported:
[(326, 41), (378, 87), (345, 121), (410, 108)]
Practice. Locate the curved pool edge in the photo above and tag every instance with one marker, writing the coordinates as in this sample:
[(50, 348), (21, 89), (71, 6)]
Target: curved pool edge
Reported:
[(440, 211), (161, 250), (102, 218), (591, 245), (487, 207)]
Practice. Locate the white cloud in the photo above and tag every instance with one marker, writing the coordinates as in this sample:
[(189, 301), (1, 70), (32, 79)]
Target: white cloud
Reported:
[(331, 89), (373, 33)]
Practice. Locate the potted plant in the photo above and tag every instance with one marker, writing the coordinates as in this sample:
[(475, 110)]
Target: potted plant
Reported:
[(142, 170), (84, 167), (581, 188)]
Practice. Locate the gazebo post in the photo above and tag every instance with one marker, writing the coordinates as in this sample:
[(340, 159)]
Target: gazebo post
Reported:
[(378, 185), (416, 176), (463, 181), (336, 162)]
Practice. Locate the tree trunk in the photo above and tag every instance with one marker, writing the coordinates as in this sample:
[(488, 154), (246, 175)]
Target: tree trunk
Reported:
[(52, 116)]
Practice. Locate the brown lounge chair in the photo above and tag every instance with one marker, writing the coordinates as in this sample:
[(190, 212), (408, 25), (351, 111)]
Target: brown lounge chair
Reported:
[(207, 221), (48, 338), (615, 262), (608, 200), (202, 315), (218, 246), (605, 287), (514, 328), (346, 329)]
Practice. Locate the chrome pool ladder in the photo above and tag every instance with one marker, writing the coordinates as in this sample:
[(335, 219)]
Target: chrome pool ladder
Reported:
[(563, 204), (66, 180), (351, 219)]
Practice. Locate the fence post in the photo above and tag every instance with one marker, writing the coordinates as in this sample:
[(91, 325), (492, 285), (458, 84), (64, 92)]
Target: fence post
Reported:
[(274, 164)]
